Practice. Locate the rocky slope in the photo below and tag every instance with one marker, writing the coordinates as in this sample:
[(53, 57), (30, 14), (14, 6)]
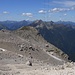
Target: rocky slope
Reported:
[(62, 36), (12, 63), (28, 42), (38, 44), (25, 52)]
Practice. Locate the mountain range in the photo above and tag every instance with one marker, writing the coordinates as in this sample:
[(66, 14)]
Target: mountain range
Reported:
[(61, 33), (13, 25)]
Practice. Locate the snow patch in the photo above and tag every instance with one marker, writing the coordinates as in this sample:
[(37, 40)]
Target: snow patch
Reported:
[(20, 55), (56, 57), (1, 49)]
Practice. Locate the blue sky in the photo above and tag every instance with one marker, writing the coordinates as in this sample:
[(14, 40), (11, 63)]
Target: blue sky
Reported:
[(54, 10)]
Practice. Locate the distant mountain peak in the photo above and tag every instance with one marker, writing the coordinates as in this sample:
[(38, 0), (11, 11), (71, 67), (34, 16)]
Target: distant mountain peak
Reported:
[(51, 21), (38, 21)]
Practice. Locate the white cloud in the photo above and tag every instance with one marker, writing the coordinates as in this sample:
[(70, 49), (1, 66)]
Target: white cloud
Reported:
[(5, 12), (60, 19), (42, 11), (65, 3), (65, 14), (72, 8), (59, 9), (27, 14)]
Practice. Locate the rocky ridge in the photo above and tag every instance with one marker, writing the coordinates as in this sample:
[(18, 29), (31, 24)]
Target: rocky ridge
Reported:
[(25, 52)]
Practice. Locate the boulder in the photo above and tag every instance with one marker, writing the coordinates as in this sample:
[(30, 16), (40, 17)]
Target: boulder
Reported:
[(47, 45), (29, 63)]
